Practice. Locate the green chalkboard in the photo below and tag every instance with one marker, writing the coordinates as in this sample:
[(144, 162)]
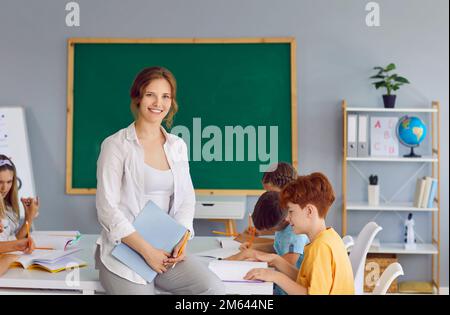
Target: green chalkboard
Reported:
[(221, 83)]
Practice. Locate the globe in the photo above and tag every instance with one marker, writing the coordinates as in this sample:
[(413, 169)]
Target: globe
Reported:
[(411, 131)]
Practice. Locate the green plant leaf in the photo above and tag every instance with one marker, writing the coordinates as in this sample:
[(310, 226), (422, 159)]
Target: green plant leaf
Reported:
[(378, 76), (379, 84), (401, 80), (379, 68), (391, 77), (390, 67)]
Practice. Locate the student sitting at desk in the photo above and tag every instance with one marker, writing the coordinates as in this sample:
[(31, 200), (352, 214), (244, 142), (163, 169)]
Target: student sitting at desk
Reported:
[(13, 238), (326, 268), (137, 164), (269, 217)]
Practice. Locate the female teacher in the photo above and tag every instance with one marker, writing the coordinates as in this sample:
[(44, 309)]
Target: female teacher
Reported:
[(137, 164)]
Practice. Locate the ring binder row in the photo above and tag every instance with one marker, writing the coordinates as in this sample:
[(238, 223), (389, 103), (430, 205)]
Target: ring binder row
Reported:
[(380, 141), (363, 143), (352, 149), (357, 136)]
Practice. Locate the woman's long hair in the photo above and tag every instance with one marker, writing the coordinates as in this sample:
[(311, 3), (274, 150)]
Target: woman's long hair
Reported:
[(12, 198)]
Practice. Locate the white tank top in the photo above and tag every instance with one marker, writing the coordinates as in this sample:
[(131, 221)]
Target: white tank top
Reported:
[(158, 186)]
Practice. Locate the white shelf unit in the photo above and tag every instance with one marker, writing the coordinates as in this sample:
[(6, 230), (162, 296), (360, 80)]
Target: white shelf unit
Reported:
[(392, 110), (391, 206), (399, 248), (424, 159), (353, 206)]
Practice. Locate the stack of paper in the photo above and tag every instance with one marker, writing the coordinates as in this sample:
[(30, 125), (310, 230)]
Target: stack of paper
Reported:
[(234, 271), (49, 260)]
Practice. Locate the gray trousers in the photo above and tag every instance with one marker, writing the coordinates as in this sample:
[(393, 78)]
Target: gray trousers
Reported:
[(189, 277)]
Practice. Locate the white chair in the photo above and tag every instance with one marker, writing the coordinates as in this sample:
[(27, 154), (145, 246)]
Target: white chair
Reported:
[(359, 252), (348, 242), (391, 273)]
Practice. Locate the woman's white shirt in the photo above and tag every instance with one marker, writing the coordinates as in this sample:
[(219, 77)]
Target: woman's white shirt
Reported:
[(158, 187), (121, 191)]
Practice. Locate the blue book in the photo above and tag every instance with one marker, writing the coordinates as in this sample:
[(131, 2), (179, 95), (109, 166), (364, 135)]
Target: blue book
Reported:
[(433, 192), (157, 228)]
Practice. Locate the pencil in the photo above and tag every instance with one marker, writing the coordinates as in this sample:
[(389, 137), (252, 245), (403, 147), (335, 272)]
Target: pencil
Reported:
[(28, 228), (183, 245), (252, 237), (225, 233)]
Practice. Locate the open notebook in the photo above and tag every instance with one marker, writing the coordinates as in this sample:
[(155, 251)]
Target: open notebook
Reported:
[(49, 260), (228, 247), (59, 240)]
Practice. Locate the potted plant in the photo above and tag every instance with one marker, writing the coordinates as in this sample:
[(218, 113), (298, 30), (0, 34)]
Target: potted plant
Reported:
[(391, 82)]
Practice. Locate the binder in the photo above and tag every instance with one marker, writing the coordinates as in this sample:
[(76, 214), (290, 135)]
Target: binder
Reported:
[(420, 185), (352, 150), (157, 228), (426, 192), (433, 193), (363, 141)]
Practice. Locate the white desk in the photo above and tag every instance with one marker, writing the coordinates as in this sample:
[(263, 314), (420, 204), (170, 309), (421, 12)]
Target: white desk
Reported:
[(20, 281)]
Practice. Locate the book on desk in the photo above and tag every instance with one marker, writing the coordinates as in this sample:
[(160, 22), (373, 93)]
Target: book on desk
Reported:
[(49, 260)]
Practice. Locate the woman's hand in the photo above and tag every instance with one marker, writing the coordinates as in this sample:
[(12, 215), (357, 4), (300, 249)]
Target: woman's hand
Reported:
[(25, 245), (261, 274), (176, 256), (31, 206), (157, 259)]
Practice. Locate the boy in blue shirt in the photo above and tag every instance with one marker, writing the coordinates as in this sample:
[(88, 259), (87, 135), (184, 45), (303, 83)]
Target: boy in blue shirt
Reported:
[(266, 216)]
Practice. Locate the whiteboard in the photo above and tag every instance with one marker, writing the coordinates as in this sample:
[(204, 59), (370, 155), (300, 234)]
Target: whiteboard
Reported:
[(15, 145)]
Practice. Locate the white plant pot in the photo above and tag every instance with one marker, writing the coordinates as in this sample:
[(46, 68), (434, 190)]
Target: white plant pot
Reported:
[(374, 195)]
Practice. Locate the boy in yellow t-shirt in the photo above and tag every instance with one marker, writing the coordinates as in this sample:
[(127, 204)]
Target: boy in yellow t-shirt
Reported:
[(326, 268)]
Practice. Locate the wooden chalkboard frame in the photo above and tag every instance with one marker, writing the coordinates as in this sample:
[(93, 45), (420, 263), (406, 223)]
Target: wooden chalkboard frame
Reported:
[(70, 98)]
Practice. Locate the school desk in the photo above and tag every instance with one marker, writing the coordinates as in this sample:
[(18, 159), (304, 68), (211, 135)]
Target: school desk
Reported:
[(20, 281)]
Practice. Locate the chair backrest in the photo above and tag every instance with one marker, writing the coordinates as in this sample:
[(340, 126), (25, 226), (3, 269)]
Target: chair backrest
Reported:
[(348, 242), (393, 271), (359, 252)]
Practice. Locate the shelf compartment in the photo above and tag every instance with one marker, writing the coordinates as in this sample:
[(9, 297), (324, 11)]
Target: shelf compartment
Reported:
[(393, 206), (399, 248), (424, 159), (391, 110)]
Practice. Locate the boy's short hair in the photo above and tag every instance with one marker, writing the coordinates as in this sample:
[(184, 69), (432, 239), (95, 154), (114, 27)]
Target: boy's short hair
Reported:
[(268, 213), (312, 189)]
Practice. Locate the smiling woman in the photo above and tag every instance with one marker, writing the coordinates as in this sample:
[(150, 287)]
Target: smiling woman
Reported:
[(139, 164)]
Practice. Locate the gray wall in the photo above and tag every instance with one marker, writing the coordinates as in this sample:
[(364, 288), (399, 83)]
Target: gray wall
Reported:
[(335, 54)]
